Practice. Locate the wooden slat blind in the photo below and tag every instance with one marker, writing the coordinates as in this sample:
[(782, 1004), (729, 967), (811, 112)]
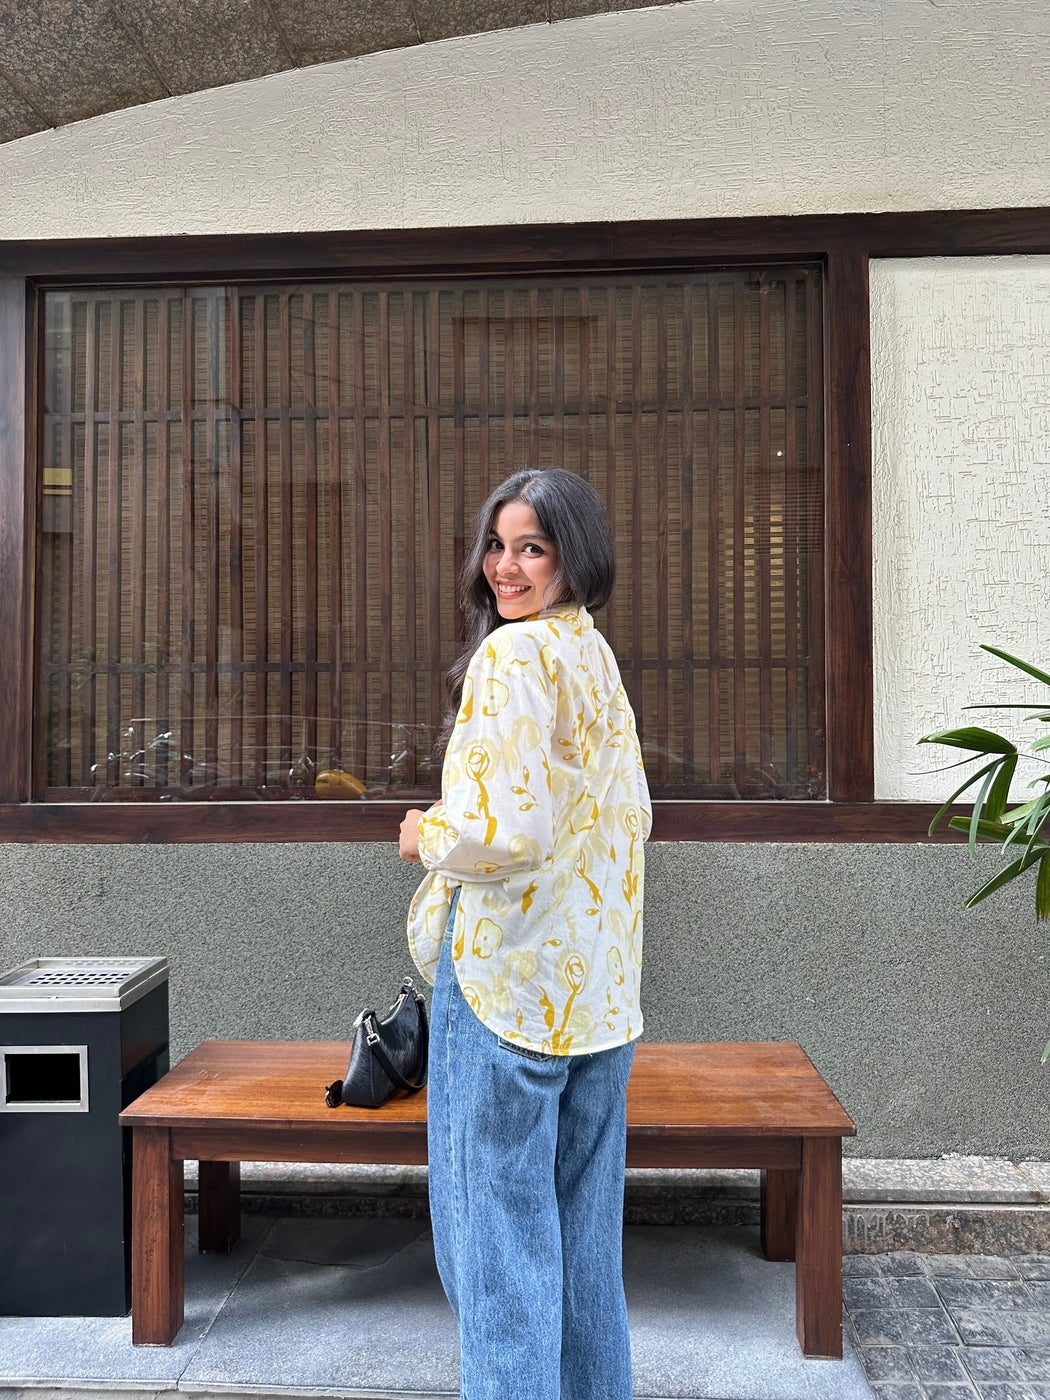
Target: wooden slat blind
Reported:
[(253, 505)]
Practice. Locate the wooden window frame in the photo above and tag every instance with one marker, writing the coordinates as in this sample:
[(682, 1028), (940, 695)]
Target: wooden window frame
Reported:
[(844, 244)]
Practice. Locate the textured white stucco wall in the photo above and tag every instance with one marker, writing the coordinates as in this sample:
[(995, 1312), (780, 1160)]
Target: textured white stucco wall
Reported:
[(961, 445), (714, 107)]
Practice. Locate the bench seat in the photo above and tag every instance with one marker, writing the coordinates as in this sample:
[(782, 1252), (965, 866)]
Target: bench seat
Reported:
[(750, 1105)]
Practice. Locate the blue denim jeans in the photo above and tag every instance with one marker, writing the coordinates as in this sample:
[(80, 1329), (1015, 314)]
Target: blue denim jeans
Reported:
[(526, 1197)]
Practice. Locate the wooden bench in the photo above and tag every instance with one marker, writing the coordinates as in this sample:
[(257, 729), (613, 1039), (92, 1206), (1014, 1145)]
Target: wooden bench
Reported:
[(750, 1105)]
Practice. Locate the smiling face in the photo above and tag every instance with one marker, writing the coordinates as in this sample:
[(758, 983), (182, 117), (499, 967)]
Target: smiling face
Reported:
[(520, 562)]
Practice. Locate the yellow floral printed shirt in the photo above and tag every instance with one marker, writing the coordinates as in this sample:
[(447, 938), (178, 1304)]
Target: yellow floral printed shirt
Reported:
[(543, 816)]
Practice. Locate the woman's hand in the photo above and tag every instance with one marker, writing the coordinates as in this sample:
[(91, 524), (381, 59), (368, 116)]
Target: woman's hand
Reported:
[(408, 846)]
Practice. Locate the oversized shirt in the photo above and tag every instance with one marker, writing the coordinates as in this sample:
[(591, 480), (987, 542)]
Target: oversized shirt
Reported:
[(542, 819)]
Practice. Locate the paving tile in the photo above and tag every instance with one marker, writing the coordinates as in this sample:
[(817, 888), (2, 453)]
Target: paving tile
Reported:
[(886, 1363), (860, 1266), (963, 1391), (998, 1363), (898, 1327), (1034, 1266), (1040, 1291), (939, 1365), (860, 1293), (898, 1390), (912, 1293), (355, 1243), (991, 1266), (985, 1328), (1006, 1364), (35, 1351), (1014, 1390), (997, 1295), (710, 1317), (900, 1264), (947, 1265)]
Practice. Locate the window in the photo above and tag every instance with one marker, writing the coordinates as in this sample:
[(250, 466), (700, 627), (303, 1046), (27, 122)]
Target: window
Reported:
[(253, 502)]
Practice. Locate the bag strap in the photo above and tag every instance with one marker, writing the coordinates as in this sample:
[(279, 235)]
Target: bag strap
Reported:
[(389, 1069)]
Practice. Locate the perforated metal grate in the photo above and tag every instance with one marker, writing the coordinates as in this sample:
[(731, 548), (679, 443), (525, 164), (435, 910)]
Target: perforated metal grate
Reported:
[(71, 978), (86, 984)]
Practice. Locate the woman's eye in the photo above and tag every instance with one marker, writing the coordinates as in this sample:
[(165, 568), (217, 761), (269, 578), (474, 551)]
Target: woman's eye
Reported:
[(493, 545)]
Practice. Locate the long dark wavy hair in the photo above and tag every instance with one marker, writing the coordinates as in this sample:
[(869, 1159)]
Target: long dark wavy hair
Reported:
[(571, 515)]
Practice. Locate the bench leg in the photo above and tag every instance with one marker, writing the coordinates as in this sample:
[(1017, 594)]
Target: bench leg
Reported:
[(218, 1206), (779, 1213), (157, 1240), (818, 1257)]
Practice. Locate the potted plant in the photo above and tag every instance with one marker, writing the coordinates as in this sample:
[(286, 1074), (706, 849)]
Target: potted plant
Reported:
[(1019, 829)]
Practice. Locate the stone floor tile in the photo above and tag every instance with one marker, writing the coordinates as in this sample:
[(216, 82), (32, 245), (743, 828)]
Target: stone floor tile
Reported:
[(984, 1328), (860, 1266), (996, 1295), (912, 1293), (1036, 1365), (1040, 1291), (992, 1266), (958, 1391), (938, 1365), (1035, 1266), (860, 1293), (886, 1364), (898, 1327), (947, 1265), (898, 1390), (902, 1264), (1002, 1364), (1013, 1390)]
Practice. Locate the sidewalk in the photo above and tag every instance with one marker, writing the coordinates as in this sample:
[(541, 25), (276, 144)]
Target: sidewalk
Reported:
[(333, 1292), (949, 1326), (353, 1308)]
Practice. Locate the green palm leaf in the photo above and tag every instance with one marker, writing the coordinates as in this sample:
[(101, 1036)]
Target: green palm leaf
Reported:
[(973, 778), (1010, 872), (1042, 887), (1021, 665), (971, 737)]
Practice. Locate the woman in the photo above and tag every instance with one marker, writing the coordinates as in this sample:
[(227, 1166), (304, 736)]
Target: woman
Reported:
[(529, 924)]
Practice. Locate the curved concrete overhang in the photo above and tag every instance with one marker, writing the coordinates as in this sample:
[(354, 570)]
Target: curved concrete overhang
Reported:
[(64, 60)]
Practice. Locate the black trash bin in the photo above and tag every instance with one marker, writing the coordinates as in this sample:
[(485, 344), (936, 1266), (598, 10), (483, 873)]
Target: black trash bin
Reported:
[(80, 1038)]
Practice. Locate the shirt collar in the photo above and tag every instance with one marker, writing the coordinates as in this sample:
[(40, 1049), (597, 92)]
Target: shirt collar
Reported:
[(575, 613)]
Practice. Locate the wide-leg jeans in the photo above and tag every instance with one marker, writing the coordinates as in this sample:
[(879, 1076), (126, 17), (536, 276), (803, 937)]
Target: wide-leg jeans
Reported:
[(526, 1193)]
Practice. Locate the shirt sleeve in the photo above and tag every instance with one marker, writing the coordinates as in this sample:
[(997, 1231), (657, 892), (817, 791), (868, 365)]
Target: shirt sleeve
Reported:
[(496, 816)]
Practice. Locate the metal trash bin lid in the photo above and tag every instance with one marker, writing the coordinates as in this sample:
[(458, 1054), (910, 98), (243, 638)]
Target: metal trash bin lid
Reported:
[(79, 984)]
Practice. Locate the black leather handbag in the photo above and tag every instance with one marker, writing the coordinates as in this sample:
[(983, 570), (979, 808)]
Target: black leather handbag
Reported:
[(388, 1053)]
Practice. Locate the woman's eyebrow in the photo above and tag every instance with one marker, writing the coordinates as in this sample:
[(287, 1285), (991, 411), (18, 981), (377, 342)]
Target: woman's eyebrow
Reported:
[(517, 539)]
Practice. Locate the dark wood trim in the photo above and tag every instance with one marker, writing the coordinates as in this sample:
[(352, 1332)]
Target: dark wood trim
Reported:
[(145, 823), (838, 822), (645, 243), (845, 242), (16, 436), (847, 531)]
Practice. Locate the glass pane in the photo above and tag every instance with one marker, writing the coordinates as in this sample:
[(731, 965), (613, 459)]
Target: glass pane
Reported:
[(254, 500)]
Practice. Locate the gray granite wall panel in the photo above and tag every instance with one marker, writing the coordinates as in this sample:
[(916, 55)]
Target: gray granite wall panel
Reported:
[(926, 1018)]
